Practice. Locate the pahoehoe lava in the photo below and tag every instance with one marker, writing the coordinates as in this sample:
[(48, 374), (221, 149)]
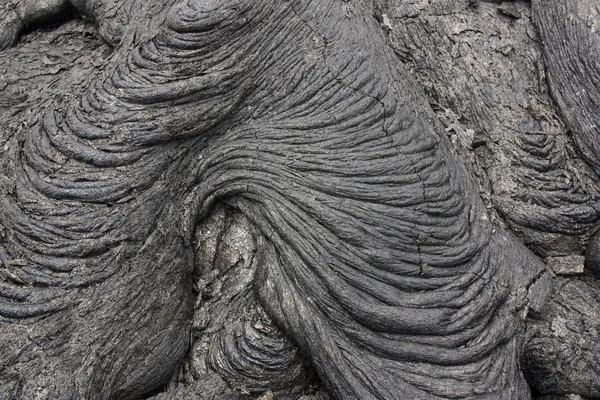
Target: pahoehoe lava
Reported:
[(376, 255)]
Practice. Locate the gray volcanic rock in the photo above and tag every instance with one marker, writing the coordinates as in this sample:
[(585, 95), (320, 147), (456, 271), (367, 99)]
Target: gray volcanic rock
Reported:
[(563, 352), (257, 199), (485, 76)]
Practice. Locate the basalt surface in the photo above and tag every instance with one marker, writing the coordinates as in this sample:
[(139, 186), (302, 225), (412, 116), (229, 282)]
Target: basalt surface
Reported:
[(259, 200)]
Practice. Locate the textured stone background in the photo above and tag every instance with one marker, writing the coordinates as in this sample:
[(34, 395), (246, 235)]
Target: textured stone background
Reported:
[(482, 68)]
